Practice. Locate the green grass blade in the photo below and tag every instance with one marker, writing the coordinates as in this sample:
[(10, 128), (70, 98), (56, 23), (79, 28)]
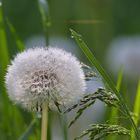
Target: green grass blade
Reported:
[(114, 112), (28, 131), (11, 118), (136, 109), (4, 56), (45, 16), (137, 103), (4, 60), (105, 77), (119, 80), (19, 43)]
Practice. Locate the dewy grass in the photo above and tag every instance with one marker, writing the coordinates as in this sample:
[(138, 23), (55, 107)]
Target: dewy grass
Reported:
[(106, 78), (99, 131), (88, 100)]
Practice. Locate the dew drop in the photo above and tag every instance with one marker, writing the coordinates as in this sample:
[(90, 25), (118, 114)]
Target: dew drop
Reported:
[(80, 39), (38, 114), (72, 36)]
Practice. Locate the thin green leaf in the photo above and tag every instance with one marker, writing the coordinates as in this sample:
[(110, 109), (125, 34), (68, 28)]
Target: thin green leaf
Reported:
[(4, 60), (19, 43), (105, 76), (114, 112), (10, 114), (136, 109), (45, 16), (137, 103), (28, 131), (119, 81), (4, 56)]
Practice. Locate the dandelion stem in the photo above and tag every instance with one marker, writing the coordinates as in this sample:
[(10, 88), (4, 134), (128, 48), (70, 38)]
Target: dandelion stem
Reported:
[(44, 122)]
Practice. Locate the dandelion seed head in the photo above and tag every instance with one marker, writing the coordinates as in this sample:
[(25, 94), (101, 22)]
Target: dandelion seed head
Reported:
[(41, 75)]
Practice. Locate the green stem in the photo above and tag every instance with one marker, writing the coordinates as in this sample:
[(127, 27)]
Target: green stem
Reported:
[(44, 122), (45, 16)]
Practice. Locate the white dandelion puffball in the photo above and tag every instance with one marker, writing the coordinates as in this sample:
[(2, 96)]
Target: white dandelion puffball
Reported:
[(48, 75)]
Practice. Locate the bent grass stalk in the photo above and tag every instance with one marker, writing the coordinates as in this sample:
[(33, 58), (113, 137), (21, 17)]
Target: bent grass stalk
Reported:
[(106, 78)]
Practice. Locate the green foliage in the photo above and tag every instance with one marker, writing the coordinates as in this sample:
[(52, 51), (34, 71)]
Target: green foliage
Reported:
[(45, 16), (10, 114), (105, 77), (28, 131), (19, 43), (137, 103), (16, 123), (4, 56), (99, 131), (113, 112), (136, 110), (88, 100)]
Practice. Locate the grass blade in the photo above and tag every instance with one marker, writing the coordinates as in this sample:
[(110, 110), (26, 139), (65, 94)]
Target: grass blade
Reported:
[(28, 131), (19, 43), (136, 108), (137, 103), (119, 80), (114, 112), (4, 60), (4, 56), (45, 16), (105, 77), (10, 114)]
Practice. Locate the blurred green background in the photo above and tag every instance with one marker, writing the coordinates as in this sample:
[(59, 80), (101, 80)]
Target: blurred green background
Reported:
[(100, 22)]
